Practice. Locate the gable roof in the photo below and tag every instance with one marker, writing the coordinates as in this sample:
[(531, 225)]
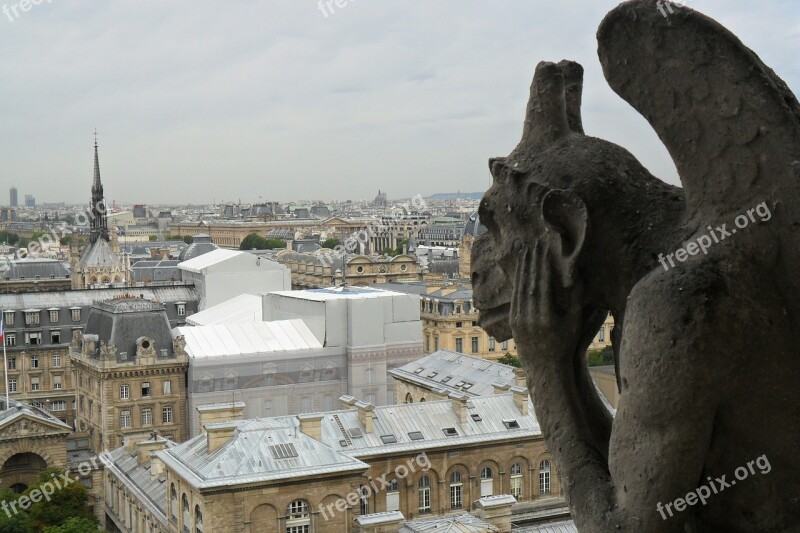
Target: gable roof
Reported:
[(248, 338)]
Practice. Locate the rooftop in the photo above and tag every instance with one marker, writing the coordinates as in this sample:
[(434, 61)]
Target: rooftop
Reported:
[(247, 338), (202, 262), (245, 308), (453, 372), (88, 297), (338, 293)]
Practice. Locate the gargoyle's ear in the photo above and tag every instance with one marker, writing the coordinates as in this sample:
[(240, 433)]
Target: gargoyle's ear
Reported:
[(566, 217), (500, 169)]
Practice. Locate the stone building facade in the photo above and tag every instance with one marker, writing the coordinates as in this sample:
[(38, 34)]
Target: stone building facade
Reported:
[(323, 268), (130, 374)]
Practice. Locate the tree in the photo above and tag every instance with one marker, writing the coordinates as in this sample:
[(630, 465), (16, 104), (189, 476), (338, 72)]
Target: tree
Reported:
[(69, 501), (153, 237), (73, 525), (9, 237), (254, 241), (11, 521), (510, 360), (331, 243), (601, 357), (65, 240), (188, 239)]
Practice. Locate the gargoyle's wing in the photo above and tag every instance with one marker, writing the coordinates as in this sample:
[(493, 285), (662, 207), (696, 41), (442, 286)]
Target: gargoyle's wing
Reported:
[(730, 124)]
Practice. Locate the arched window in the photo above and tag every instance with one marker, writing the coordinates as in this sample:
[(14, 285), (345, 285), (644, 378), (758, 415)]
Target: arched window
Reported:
[(544, 477), (230, 381), (409, 398), (198, 519), (516, 480), (456, 493), (487, 482), (298, 519), (173, 503), (187, 516), (363, 498), (424, 487), (393, 496)]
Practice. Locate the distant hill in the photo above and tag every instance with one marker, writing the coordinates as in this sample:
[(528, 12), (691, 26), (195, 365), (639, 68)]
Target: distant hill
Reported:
[(455, 195)]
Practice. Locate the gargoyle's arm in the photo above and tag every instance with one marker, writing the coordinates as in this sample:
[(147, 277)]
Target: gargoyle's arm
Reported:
[(660, 435)]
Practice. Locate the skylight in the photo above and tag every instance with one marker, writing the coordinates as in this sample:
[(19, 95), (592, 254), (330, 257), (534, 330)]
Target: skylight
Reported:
[(356, 433), (511, 424), (415, 435), (476, 417), (283, 451), (388, 439), (446, 379), (450, 432)]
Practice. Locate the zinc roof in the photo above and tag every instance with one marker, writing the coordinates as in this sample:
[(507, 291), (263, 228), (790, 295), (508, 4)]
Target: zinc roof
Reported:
[(88, 297), (564, 526), (250, 456), (429, 419), (337, 293), (455, 368), (248, 338), (245, 308), (459, 523)]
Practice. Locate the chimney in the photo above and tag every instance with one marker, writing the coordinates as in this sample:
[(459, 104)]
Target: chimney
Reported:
[(520, 378), (500, 388), (220, 412), (521, 399), (219, 434), (459, 403), (346, 402), (146, 447), (365, 411), (496, 510), (311, 425)]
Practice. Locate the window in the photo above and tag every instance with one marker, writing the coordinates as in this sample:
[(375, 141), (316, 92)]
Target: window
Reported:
[(329, 374), (460, 345), (166, 387), (601, 335), (37, 405), (173, 503), (363, 498), (12, 363), (393, 496), (424, 490), (91, 408), (33, 337), (298, 519), (55, 337), (504, 346), (186, 516), (35, 383), (32, 318), (57, 385), (475, 345), (511, 424), (53, 316), (12, 385), (544, 477), (8, 317), (11, 339), (455, 491), (487, 482), (59, 405), (450, 432), (427, 343), (516, 480), (369, 375), (76, 315), (388, 439), (57, 360), (370, 398), (230, 381), (435, 343), (198, 519), (307, 374), (124, 391), (415, 435), (305, 405), (145, 389), (166, 414), (181, 309), (147, 416)]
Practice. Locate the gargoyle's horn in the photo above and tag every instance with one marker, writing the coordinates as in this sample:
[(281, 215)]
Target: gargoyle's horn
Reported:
[(573, 91), (546, 115)]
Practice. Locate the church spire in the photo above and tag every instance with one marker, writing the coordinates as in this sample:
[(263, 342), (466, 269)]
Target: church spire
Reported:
[(99, 221)]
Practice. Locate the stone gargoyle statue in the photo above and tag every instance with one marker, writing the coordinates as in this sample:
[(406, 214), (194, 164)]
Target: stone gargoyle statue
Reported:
[(702, 281)]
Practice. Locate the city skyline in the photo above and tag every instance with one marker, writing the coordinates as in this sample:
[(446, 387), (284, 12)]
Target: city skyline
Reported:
[(275, 100)]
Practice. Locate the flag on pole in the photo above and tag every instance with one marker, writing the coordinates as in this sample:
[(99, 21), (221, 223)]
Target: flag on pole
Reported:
[(2, 331)]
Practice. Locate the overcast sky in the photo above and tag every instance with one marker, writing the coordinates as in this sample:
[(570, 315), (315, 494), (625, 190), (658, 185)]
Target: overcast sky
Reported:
[(196, 101)]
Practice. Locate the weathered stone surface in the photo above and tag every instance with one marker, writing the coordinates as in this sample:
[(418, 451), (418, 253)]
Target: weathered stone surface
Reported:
[(703, 338)]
